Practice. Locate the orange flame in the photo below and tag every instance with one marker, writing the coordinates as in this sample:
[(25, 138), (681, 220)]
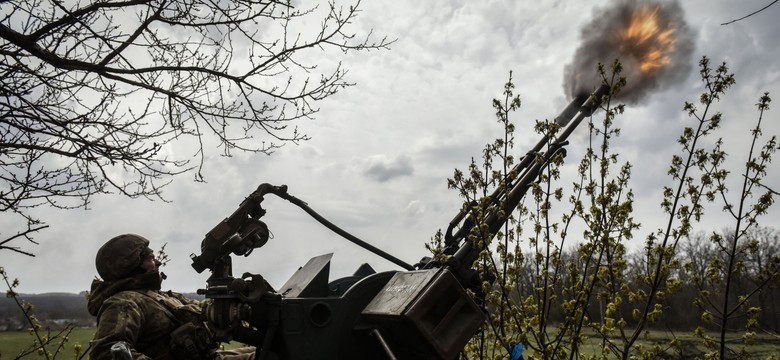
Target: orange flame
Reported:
[(646, 39)]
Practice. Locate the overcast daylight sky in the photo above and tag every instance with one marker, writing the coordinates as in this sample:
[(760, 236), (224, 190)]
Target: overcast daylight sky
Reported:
[(381, 151)]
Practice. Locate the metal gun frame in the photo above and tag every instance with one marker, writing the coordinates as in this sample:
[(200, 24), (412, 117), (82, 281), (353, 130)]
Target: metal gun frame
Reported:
[(423, 312)]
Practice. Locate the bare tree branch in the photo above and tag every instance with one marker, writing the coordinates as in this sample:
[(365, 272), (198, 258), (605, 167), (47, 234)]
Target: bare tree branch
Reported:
[(94, 95), (751, 14), (767, 188)]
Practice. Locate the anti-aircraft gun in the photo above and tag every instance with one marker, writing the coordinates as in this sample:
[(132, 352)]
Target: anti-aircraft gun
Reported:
[(420, 312)]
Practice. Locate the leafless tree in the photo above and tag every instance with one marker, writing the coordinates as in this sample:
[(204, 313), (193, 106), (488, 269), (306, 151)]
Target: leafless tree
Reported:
[(94, 93)]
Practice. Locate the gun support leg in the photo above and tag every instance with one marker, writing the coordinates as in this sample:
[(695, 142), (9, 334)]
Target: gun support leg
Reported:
[(384, 344)]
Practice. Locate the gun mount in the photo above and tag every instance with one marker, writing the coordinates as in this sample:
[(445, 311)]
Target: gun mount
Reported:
[(420, 312)]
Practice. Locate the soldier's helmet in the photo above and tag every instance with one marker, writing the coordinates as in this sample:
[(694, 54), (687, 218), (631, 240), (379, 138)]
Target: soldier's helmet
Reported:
[(120, 256)]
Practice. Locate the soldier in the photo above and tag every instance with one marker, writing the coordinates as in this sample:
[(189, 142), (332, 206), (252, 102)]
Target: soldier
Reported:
[(131, 309)]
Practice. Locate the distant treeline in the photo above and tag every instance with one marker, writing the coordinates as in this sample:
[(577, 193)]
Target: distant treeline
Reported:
[(53, 310), (701, 279)]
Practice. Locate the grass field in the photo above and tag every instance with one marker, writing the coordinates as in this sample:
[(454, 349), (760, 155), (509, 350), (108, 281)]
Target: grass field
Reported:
[(765, 347), (13, 343)]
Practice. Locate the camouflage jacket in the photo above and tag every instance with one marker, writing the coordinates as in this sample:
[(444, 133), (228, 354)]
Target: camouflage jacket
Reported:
[(133, 310)]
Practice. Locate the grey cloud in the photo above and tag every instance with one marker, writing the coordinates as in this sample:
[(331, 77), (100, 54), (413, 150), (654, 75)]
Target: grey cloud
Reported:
[(433, 90), (381, 168)]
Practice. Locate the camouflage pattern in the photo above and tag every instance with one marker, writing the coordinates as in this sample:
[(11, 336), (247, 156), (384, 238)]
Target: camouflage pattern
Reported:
[(145, 320), (131, 308), (120, 256)]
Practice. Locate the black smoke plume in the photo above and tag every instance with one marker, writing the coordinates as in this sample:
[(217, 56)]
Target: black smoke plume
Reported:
[(601, 44)]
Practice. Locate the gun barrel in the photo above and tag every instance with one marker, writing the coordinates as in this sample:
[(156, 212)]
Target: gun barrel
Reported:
[(581, 107), (587, 109), (570, 111), (528, 170)]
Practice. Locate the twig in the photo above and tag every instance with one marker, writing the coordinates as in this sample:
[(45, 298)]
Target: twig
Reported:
[(766, 187), (751, 14)]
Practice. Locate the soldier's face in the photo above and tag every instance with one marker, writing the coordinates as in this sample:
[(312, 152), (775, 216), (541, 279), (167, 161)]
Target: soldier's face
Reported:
[(150, 263)]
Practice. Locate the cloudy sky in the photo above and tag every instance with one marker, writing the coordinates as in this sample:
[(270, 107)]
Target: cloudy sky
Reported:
[(381, 151)]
